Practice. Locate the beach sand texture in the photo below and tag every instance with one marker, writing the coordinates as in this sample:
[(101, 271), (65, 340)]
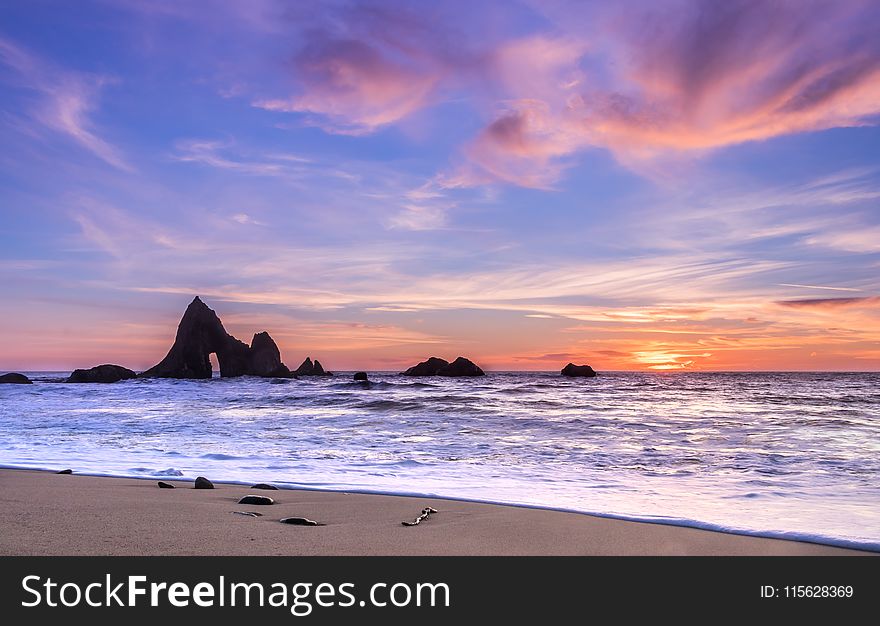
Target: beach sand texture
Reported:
[(42, 513)]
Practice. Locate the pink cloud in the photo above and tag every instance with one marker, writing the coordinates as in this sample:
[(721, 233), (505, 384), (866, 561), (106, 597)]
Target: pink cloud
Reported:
[(356, 87), (690, 78)]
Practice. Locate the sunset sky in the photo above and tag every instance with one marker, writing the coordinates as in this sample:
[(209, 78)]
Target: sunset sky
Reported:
[(636, 185)]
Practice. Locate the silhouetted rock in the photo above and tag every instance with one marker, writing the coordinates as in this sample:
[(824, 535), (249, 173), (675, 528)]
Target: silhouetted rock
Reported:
[(101, 374), (65, 471), (264, 486), (308, 368), (203, 483), (460, 367), (201, 333), (163, 485), (260, 500), (427, 368), (578, 371), (14, 378), (362, 376), (266, 358)]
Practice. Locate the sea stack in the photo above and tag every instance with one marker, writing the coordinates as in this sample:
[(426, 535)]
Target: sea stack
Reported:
[(436, 366), (578, 371), (14, 378), (201, 333), (101, 374), (309, 368)]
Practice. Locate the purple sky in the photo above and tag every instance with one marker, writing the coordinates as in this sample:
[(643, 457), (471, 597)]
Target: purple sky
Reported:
[(671, 185)]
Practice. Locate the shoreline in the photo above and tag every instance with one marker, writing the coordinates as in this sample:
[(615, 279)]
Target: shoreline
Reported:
[(44, 513)]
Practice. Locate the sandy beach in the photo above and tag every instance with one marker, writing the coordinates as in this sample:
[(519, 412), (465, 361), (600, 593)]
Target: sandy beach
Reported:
[(42, 513)]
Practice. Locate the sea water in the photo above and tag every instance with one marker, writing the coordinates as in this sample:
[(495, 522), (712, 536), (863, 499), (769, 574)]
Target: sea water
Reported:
[(793, 455)]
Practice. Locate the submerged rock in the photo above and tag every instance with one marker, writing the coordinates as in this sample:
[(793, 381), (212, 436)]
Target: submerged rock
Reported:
[(203, 483), (578, 371), (265, 486), (163, 485), (14, 378), (261, 500), (101, 374), (200, 334), (65, 471), (460, 367), (427, 368), (361, 376)]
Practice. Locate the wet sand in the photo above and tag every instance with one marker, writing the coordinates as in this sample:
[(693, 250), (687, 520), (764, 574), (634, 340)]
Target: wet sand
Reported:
[(42, 513)]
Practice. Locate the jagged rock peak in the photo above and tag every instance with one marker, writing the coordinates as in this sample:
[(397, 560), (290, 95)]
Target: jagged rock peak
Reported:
[(201, 333)]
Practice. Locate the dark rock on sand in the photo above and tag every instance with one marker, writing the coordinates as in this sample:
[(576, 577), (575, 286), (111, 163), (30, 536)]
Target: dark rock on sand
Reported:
[(65, 471), (15, 378), (578, 371), (203, 483), (460, 367), (200, 334), (101, 374), (427, 368), (361, 376), (300, 521), (265, 486), (249, 499), (309, 368), (163, 485)]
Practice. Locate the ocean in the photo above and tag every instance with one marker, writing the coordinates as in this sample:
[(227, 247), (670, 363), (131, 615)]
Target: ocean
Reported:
[(791, 455)]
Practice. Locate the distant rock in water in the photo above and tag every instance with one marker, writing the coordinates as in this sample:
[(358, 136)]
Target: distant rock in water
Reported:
[(309, 368), (203, 483), (578, 371), (264, 486), (164, 485), (101, 374), (65, 471), (201, 333), (361, 376), (266, 358), (435, 366), (461, 367), (427, 368), (14, 378)]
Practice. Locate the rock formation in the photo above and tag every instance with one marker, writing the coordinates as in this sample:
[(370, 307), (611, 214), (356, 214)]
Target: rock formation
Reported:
[(309, 368), (435, 366), (578, 371), (461, 367), (361, 376), (200, 334), (15, 379), (266, 358), (427, 368), (101, 374)]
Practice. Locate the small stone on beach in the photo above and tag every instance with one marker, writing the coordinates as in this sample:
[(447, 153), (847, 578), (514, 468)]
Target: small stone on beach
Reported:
[(203, 483), (264, 486), (300, 521), (248, 513), (163, 485), (249, 499), (65, 471)]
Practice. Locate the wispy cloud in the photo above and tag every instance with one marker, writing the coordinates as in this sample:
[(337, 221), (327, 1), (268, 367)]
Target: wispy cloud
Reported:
[(67, 99)]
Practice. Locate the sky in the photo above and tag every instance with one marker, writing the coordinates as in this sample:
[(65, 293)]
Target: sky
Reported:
[(673, 185)]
